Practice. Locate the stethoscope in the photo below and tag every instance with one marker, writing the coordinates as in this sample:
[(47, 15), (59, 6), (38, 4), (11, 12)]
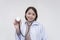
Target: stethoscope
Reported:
[(20, 33), (26, 33)]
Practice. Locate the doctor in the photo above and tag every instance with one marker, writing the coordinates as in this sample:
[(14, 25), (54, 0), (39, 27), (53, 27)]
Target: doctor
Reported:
[(30, 29)]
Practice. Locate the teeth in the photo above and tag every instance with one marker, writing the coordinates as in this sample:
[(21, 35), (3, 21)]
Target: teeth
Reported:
[(18, 18)]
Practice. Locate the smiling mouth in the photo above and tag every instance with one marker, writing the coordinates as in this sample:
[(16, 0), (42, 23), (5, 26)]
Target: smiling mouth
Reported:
[(30, 18)]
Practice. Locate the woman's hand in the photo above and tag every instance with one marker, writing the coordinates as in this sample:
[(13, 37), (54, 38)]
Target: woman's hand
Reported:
[(17, 25)]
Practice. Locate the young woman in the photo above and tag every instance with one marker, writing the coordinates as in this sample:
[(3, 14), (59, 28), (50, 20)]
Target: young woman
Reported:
[(30, 29)]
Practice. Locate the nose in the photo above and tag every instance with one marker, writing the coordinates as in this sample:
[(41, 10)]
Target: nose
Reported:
[(31, 15)]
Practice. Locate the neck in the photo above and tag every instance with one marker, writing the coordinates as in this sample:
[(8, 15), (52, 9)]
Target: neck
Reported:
[(29, 22)]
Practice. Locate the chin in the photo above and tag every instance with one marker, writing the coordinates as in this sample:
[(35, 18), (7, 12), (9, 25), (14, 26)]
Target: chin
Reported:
[(30, 20)]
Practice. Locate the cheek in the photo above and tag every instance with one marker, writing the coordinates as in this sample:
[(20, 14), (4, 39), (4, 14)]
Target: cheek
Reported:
[(27, 16), (33, 17)]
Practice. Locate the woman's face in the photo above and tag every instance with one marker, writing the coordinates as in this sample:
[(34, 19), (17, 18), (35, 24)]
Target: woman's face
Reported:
[(30, 15)]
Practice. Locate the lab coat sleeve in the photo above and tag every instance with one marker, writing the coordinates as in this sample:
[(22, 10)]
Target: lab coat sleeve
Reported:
[(43, 33), (17, 36)]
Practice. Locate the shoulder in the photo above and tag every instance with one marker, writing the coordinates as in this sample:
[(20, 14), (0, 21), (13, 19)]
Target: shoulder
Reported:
[(37, 23)]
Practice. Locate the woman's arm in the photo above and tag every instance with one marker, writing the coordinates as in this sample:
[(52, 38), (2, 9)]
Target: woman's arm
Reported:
[(17, 26)]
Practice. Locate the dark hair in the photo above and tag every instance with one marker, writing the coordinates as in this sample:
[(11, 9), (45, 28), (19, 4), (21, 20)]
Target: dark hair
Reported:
[(34, 9)]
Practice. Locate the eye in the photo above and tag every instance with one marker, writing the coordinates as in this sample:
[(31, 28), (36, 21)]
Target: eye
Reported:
[(29, 13), (33, 14)]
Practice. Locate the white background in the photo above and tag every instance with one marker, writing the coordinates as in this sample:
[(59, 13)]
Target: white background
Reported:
[(48, 11)]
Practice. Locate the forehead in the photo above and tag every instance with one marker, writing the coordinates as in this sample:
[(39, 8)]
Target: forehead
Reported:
[(31, 11)]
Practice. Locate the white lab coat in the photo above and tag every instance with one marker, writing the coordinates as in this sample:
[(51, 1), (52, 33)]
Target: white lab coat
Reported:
[(37, 32)]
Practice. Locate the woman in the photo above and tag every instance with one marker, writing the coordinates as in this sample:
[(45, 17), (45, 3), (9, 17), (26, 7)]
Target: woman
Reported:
[(30, 29)]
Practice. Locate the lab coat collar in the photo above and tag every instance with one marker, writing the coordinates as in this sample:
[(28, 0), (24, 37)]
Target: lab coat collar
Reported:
[(34, 23)]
